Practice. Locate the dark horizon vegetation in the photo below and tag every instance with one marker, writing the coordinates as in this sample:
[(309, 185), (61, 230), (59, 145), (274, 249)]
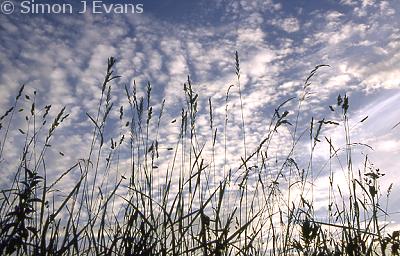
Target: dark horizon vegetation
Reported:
[(193, 205)]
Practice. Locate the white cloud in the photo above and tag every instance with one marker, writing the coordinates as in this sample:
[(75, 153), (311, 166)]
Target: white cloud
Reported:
[(289, 25), (248, 35), (349, 2), (363, 55)]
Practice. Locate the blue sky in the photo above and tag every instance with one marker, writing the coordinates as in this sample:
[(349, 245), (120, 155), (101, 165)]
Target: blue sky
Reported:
[(63, 57)]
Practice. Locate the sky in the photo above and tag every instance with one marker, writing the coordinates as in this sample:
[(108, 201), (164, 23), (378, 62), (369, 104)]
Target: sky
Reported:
[(63, 56)]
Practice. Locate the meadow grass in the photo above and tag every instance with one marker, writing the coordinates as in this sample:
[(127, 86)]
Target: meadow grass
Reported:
[(194, 205)]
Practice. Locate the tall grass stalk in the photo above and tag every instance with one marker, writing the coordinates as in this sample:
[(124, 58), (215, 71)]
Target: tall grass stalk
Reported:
[(137, 193)]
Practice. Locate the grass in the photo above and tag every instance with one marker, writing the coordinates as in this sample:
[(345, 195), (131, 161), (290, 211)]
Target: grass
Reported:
[(194, 205)]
